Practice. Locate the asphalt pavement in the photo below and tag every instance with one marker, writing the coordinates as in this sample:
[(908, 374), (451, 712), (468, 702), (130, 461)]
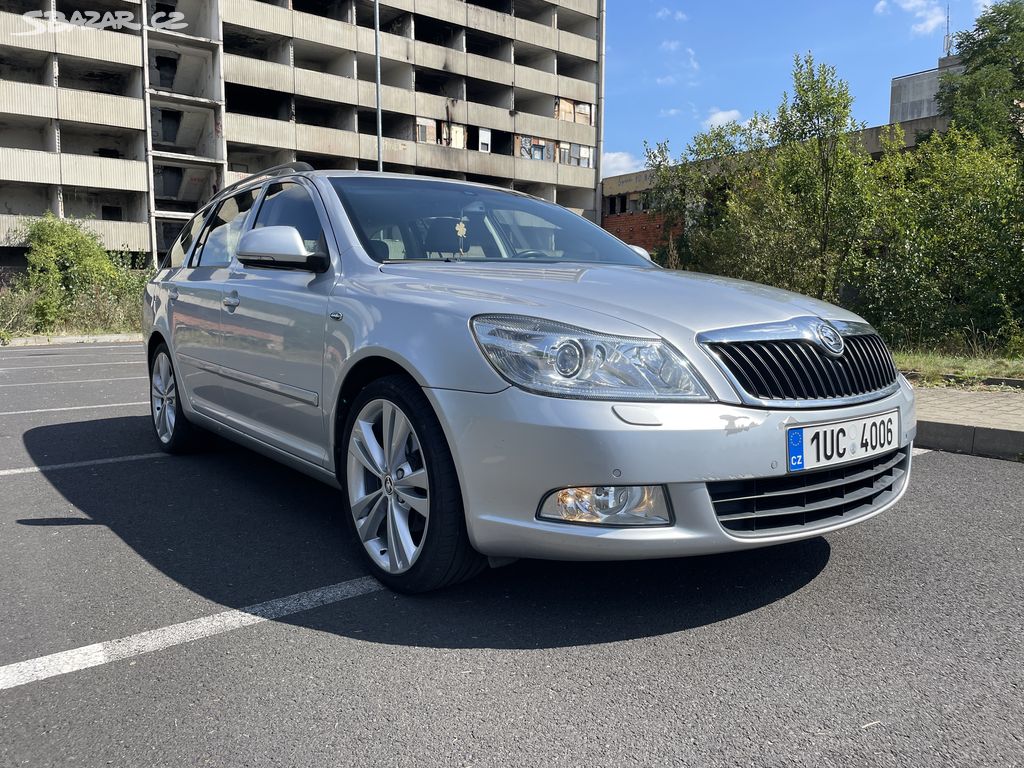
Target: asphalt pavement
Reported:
[(209, 610)]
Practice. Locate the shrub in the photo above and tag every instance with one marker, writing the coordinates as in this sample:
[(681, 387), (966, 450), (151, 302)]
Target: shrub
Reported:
[(64, 260)]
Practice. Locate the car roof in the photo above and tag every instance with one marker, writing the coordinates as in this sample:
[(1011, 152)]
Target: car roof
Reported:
[(262, 177)]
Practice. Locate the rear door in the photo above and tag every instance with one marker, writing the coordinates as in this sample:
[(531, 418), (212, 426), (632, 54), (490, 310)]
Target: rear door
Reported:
[(198, 290), (193, 308), (274, 327)]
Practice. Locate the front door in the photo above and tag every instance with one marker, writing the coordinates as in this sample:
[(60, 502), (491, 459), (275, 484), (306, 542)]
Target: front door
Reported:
[(273, 333)]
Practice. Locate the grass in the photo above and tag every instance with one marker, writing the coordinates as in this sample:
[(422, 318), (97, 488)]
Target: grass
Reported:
[(935, 367)]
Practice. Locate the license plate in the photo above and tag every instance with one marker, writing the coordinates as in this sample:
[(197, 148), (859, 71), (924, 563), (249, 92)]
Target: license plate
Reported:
[(839, 442)]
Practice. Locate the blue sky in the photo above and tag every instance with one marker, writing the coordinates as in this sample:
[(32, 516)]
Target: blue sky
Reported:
[(674, 66)]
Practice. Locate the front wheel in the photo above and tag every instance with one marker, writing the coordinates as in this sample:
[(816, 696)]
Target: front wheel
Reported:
[(402, 495), (172, 428)]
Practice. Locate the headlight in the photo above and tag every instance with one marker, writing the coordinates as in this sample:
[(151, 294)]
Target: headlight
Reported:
[(555, 359)]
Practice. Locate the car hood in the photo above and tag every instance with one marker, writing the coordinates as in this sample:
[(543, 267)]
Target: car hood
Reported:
[(673, 304)]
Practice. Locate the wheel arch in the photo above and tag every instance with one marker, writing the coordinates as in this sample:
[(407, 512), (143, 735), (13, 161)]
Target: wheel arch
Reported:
[(358, 376)]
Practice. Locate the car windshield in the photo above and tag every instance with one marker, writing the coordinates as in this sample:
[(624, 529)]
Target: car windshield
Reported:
[(419, 219)]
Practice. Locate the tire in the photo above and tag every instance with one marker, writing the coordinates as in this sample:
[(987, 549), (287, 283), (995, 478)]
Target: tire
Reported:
[(174, 432), (408, 492)]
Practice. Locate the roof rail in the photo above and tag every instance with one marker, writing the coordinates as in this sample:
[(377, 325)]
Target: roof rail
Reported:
[(269, 173)]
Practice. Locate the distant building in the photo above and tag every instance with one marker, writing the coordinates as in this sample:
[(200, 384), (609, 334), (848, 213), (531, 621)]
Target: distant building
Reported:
[(135, 125), (912, 97)]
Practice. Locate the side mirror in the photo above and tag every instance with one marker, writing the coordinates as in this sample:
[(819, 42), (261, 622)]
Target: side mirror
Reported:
[(279, 248), (642, 251)]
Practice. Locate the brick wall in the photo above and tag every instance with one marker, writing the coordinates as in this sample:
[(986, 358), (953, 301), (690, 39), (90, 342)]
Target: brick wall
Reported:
[(640, 228)]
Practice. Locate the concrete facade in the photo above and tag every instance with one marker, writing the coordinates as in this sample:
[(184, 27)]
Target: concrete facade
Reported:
[(134, 127), (912, 97)]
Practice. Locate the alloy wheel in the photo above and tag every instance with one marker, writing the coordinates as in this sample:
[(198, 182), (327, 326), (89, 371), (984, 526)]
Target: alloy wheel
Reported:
[(164, 395), (388, 487)]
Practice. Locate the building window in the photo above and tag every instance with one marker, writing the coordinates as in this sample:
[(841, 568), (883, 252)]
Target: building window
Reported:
[(485, 139), (112, 213)]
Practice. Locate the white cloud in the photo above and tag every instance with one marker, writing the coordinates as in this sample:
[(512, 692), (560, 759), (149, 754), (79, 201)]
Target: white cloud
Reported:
[(929, 15), (694, 64), (673, 112), (617, 163), (717, 117), (980, 6), (666, 80), (671, 45), (668, 13)]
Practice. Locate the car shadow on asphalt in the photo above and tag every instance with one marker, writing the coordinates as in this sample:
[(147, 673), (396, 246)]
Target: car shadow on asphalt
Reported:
[(238, 529)]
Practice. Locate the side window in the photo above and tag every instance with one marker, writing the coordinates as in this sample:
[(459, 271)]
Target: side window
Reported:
[(176, 253), (220, 238), (288, 204)]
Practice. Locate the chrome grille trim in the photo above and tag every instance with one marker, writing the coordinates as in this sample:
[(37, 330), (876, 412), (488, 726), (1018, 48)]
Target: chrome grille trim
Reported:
[(806, 500), (784, 365)]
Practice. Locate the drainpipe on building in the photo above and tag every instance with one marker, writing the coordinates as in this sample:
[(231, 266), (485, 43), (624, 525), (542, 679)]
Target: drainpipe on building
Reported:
[(380, 117), (599, 149)]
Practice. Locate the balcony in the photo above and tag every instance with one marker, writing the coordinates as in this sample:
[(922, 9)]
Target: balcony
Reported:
[(536, 80), (484, 68), (257, 15), (101, 109), (396, 151), (484, 116), (577, 45), (28, 99), (536, 34), (103, 172), (486, 20), (440, 108), (440, 157), (576, 176), (489, 164), (322, 30), (258, 73), (578, 90), (259, 131), (542, 171), (440, 58), (29, 165), (321, 85), (392, 99), (121, 235), (326, 141)]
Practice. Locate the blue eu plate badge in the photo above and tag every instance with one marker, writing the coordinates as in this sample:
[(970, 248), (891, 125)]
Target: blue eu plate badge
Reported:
[(796, 449)]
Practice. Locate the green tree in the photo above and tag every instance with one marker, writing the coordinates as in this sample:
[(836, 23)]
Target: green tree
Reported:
[(944, 260), (778, 199), (987, 98)]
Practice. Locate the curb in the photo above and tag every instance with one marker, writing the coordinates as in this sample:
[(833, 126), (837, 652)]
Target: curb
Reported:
[(977, 441), (42, 341)]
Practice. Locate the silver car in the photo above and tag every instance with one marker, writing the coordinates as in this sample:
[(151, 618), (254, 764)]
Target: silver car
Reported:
[(488, 376)]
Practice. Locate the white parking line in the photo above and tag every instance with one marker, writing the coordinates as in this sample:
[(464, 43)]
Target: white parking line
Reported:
[(97, 654), (77, 464), (47, 351), (76, 381), (71, 408), (72, 365)]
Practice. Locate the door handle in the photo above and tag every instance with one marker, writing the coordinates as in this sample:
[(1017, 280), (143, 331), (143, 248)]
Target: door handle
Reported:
[(230, 302)]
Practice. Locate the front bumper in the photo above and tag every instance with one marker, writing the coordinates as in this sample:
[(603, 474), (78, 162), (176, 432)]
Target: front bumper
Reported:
[(512, 448)]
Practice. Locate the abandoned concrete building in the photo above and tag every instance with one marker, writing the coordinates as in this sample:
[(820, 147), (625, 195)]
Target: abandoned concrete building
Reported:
[(134, 125)]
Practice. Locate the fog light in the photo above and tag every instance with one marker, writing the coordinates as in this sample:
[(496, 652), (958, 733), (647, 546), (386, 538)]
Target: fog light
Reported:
[(608, 505)]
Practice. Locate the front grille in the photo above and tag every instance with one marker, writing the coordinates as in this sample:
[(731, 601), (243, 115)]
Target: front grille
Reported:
[(797, 369), (772, 505)]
